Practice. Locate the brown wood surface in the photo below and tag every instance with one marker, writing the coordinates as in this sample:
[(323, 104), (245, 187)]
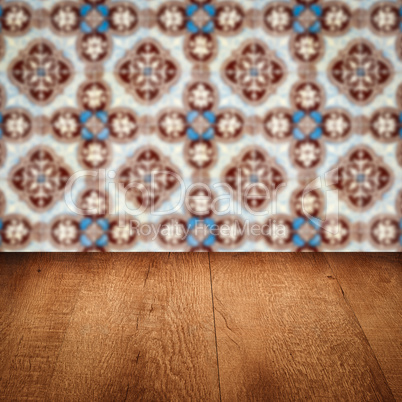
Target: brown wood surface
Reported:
[(285, 332), (373, 289), (232, 327), (38, 294)]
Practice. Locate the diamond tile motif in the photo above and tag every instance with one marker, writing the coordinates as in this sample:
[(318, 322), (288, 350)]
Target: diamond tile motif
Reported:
[(189, 125), (40, 72), (361, 72)]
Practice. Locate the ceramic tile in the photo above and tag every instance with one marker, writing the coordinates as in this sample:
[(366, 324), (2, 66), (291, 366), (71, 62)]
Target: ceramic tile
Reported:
[(194, 125)]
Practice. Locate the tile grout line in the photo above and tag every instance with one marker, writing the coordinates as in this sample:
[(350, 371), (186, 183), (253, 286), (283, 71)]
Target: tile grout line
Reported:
[(216, 338), (358, 323)]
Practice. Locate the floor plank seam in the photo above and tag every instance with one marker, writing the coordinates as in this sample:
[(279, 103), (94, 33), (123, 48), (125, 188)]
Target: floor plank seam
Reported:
[(360, 326), (216, 338)]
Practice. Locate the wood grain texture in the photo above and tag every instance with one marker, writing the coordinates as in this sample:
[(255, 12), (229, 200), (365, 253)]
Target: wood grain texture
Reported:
[(142, 329), (37, 302), (159, 326), (285, 332), (372, 284)]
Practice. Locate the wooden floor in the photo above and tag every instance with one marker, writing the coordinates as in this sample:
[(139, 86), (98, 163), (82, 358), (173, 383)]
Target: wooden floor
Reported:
[(153, 327)]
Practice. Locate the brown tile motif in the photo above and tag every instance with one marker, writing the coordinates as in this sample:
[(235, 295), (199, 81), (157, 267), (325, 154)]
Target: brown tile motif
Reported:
[(201, 125), (201, 23), (200, 229), (385, 21), (94, 229), (385, 230), (155, 178), (94, 23), (251, 174), (16, 232), (147, 72), (94, 126), (16, 20), (307, 229), (41, 72), (361, 72), (308, 126), (39, 178), (307, 23), (254, 72), (363, 178), (16, 125)]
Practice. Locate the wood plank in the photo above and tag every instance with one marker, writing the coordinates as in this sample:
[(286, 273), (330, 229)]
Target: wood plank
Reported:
[(372, 283), (142, 329), (12, 270), (38, 294), (285, 332)]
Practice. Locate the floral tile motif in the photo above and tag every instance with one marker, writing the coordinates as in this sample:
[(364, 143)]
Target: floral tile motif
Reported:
[(147, 71), (40, 178), (155, 178), (362, 178), (200, 125), (361, 72), (40, 72), (254, 72), (251, 174)]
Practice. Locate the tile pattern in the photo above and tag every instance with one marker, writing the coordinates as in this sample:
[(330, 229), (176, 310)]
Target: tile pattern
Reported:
[(201, 125)]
